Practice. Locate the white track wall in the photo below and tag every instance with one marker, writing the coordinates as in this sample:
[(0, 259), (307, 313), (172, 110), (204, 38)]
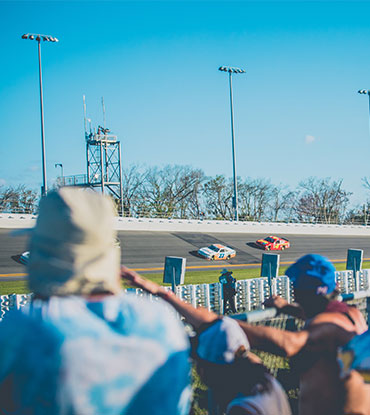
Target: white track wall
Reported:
[(14, 221)]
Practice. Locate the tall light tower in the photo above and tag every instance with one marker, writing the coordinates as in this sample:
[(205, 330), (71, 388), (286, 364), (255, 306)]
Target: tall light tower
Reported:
[(235, 198), (366, 92), (44, 38), (61, 181)]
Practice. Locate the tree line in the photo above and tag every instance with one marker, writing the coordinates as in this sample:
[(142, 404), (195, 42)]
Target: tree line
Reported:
[(18, 199), (185, 192)]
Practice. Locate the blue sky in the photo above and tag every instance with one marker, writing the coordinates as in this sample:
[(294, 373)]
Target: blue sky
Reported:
[(297, 110)]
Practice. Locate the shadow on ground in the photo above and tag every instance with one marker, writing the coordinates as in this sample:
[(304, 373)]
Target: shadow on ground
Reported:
[(17, 259), (254, 245), (195, 254)]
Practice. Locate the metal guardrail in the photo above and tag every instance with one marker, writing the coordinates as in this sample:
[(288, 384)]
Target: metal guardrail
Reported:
[(75, 180), (8, 302), (270, 313), (250, 293)]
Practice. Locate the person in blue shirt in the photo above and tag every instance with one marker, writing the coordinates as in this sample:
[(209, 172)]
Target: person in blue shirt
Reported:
[(228, 291), (83, 346)]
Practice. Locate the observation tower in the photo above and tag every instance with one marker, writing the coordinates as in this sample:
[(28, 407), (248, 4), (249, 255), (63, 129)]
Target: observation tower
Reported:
[(103, 162)]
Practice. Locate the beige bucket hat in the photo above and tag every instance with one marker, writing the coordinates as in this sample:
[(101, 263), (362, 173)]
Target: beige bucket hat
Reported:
[(72, 247)]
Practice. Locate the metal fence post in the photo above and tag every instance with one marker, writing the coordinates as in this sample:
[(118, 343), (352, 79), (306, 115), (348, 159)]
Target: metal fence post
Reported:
[(368, 310)]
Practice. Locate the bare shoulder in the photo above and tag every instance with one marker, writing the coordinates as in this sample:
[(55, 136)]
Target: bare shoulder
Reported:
[(354, 321), (326, 317), (336, 328)]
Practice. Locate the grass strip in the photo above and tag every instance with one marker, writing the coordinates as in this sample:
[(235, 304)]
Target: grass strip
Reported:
[(191, 277)]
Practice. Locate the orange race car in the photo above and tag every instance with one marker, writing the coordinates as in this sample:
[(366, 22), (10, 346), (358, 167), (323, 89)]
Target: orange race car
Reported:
[(273, 243)]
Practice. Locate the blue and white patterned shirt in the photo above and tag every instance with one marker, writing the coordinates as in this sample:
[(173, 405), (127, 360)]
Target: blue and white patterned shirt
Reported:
[(68, 356)]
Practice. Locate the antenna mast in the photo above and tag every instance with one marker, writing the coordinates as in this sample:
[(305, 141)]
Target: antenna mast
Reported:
[(102, 103), (85, 120)]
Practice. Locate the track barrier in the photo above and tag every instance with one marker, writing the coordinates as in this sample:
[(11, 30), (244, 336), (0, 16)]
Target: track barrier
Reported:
[(250, 293)]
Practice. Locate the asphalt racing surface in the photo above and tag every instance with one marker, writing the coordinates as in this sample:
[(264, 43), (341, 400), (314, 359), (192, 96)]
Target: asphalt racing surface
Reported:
[(146, 251)]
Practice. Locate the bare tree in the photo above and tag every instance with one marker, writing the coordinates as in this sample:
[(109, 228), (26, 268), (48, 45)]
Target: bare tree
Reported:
[(262, 197), (281, 201), (366, 183), (359, 215), (171, 191), (218, 193), (247, 191), (189, 204), (321, 201), (254, 199), (132, 180), (18, 199), (7, 197)]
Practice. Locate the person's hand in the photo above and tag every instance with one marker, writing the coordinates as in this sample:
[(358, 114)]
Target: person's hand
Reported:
[(136, 280), (275, 301)]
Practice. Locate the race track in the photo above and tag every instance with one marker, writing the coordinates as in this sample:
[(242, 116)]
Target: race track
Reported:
[(145, 251)]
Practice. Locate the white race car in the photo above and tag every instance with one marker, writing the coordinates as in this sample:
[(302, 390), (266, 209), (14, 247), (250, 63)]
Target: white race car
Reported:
[(216, 252)]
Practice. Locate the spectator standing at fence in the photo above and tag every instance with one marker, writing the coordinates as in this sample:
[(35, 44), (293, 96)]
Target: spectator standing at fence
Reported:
[(313, 350), (228, 284), (240, 384), (83, 346)]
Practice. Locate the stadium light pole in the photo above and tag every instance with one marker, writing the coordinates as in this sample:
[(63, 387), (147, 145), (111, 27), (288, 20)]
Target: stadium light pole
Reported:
[(230, 71), (38, 38), (61, 167), (366, 92)]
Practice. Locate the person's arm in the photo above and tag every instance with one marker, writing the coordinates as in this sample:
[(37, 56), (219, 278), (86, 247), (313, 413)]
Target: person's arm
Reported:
[(283, 307), (272, 340), (326, 332), (269, 339), (194, 316)]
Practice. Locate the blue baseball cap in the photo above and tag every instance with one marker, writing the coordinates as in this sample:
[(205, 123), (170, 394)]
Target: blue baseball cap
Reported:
[(313, 273)]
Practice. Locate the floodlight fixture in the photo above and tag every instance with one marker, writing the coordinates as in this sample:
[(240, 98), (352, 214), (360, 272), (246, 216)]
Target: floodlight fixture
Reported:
[(365, 92), (230, 69), (38, 37)]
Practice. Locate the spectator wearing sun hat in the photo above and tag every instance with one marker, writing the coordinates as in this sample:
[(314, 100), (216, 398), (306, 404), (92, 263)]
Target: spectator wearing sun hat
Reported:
[(313, 350), (83, 346)]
